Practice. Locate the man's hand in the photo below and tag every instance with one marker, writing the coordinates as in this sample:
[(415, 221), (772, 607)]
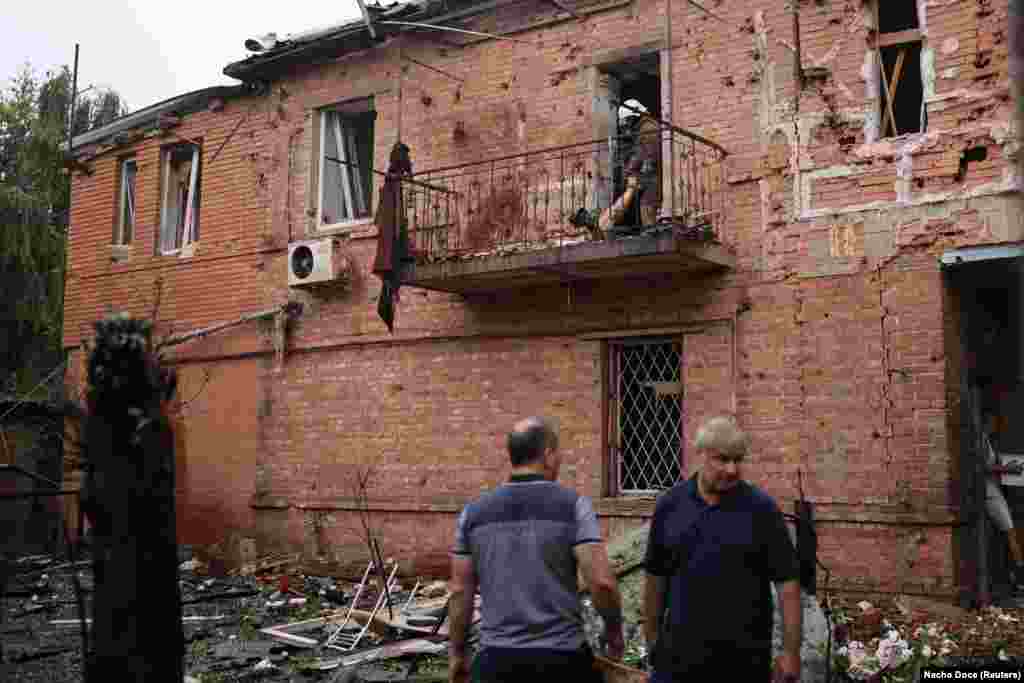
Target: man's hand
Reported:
[(616, 642), (787, 668), (458, 668)]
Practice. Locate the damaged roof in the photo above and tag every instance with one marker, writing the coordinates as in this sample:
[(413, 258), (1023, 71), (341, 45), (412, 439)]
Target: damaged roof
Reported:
[(150, 116), (328, 43)]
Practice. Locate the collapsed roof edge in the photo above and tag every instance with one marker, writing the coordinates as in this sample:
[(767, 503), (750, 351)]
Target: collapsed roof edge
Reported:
[(352, 35), (179, 104)]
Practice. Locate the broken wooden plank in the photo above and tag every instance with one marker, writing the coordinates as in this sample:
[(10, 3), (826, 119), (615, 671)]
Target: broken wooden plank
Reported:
[(266, 564), (381, 624), (898, 38), (226, 595), (289, 633)]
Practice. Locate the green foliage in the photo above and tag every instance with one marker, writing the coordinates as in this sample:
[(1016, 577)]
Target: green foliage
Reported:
[(34, 203)]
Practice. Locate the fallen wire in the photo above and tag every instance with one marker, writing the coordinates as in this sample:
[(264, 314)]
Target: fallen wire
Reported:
[(226, 595), (24, 399)]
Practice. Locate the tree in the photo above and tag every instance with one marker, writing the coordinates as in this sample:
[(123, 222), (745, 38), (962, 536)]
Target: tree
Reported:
[(34, 204)]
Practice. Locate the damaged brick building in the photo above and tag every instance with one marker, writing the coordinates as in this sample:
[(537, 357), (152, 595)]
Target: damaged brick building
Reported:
[(823, 210)]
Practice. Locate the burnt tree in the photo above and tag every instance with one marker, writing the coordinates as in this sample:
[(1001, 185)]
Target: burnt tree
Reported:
[(129, 499)]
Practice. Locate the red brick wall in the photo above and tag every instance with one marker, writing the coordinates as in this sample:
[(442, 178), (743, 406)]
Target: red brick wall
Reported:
[(838, 363)]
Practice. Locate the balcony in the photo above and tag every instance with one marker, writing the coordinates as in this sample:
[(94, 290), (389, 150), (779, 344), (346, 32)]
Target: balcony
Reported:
[(600, 209)]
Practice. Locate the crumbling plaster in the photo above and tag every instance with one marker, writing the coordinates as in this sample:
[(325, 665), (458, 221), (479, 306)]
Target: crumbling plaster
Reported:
[(784, 116)]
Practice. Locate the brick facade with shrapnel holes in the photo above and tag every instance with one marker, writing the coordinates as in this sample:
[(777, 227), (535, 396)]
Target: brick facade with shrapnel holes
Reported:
[(831, 338)]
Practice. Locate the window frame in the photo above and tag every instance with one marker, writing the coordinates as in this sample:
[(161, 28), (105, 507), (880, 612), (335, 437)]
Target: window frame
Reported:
[(886, 106), (127, 197), (189, 233), (354, 108), (611, 437)]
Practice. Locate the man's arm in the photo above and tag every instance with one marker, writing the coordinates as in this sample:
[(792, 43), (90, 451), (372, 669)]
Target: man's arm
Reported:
[(654, 606), (792, 617), (460, 605), (592, 559)]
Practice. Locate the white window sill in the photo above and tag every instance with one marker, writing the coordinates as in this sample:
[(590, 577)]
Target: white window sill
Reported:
[(356, 228), (187, 251), (120, 253)]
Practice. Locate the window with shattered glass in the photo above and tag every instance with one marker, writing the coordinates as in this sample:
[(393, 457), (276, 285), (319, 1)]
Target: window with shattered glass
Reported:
[(346, 163)]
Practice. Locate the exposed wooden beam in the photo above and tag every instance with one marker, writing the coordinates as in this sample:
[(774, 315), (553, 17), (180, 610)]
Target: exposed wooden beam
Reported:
[(898, 38)]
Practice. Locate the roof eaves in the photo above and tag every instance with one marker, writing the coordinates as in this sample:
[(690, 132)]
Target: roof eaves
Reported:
[(148, 116), (326, 42)]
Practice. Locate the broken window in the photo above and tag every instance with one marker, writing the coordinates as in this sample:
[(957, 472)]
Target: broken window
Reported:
[(633, 88), (645, 417), (179, 212), (346, 163), (124, 228), (898, 46)]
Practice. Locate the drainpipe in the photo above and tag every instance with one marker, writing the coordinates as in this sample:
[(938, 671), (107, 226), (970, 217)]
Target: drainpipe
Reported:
[(798, 64), (671, 106), (1017, 61)]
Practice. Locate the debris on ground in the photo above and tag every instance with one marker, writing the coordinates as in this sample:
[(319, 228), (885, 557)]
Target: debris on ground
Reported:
[(265, 621)]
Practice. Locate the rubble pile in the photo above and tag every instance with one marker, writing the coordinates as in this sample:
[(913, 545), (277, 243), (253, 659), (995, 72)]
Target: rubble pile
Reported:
[(266, 621)]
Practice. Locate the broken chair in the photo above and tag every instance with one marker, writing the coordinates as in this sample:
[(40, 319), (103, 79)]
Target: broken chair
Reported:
[(347, 636)]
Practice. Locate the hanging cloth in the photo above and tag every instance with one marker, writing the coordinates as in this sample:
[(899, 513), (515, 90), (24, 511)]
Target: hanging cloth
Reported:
[(392, 234)]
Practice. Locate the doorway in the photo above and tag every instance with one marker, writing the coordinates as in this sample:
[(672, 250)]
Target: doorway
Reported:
[(985, 291)]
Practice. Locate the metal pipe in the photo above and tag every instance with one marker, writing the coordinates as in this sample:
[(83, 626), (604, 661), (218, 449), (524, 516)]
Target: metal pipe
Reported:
[(561, 148), (671, 105), (459, 30), (366, 18), (435, 69), (74, 97), (418, 183)]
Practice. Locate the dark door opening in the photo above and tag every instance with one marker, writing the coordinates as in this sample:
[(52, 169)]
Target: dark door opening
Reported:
[(988, 301)]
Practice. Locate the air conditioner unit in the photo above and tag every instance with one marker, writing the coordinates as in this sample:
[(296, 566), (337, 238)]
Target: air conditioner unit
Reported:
[(318, 262)]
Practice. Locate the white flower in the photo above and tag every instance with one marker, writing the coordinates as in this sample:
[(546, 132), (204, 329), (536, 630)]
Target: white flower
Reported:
[(856, 653), (926, 651), (843, 651), (864, 670)]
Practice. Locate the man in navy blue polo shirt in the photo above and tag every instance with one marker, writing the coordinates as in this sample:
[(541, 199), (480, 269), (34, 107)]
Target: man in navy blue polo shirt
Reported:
[(523, 544), (716, 545)]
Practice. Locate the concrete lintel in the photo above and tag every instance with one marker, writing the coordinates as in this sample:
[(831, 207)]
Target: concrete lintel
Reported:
[(956, 257)]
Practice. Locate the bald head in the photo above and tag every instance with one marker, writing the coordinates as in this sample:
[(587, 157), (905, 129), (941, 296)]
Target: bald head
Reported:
[(529, 439)]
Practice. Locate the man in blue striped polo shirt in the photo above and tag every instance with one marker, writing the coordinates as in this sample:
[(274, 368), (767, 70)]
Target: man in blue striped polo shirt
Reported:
[(522, 545)]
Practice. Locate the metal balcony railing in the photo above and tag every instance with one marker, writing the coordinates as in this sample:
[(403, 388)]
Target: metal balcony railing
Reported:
[(601, 189)]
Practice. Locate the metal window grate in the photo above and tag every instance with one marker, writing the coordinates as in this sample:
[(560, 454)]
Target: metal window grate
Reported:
[(647, 414)]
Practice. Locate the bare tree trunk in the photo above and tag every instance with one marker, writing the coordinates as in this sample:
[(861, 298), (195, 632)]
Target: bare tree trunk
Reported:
[(129, 498)]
